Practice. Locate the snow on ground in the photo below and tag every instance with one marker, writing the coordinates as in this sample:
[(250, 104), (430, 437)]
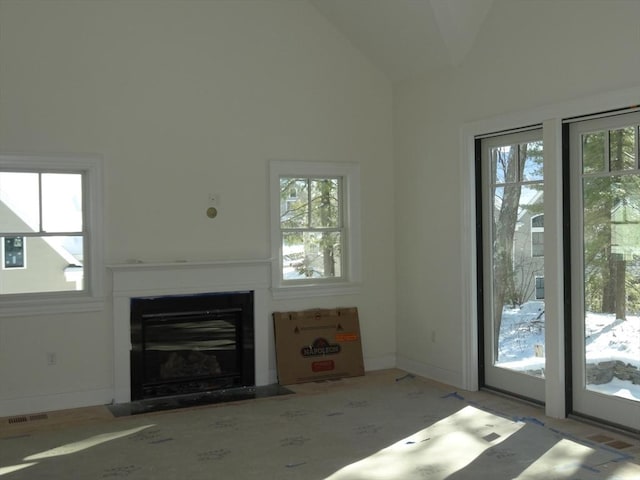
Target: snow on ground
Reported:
[(611, 339), (618, 388), (607, 339), (520, 332)]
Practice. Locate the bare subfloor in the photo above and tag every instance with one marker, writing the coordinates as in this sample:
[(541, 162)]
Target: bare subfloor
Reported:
[(385, 425)]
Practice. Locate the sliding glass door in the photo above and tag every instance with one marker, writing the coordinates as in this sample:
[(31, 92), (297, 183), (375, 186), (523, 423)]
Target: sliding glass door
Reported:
[(605, 276), (513, 263)]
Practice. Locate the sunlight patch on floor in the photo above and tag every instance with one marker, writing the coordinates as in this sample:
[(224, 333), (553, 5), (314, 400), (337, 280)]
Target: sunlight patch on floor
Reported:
[(439, 450), (626, 470), (15, 468), (84, 444), (565, 459), (71, 448)]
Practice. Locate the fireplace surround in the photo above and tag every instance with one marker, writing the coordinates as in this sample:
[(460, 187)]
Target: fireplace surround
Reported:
[(143, 280)]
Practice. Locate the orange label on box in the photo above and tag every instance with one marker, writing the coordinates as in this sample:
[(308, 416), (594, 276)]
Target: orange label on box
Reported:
[(323, 366), (346, 337)]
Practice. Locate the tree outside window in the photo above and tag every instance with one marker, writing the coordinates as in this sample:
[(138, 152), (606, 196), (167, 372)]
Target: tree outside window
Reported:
[(315, 228), (311, 227)]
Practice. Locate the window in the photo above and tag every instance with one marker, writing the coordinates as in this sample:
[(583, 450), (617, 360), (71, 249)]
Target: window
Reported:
[(315, 232), (13, 252), (539, 288), (312, 227), (537, 236), (49, 207)]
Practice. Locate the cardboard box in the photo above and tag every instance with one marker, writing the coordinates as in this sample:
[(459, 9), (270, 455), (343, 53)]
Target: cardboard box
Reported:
[(318, 344)]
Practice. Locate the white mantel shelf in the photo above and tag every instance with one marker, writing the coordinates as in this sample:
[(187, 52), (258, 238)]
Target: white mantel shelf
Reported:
[(139, 265), (133, 280)]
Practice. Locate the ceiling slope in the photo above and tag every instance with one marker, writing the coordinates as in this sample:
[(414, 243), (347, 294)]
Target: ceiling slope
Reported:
[(408, 38)]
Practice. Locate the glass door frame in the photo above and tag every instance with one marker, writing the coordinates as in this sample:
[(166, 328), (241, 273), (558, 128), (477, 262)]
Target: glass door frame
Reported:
[(552, 117), (526, 386), (583, 402)]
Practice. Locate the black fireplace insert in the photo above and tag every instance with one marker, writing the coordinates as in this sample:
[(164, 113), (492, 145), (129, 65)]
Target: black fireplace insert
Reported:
[(187, 344)]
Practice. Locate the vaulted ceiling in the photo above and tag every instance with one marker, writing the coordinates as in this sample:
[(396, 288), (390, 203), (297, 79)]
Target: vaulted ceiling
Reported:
[(408, 38)]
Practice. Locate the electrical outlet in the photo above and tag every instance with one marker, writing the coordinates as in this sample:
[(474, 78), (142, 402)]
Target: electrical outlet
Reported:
[(52, 358)]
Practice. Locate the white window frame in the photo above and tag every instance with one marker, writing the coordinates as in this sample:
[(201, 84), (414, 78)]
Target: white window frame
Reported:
[(349, 283), (91, 298)]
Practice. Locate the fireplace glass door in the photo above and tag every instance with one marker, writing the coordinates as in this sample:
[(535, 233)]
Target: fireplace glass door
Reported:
[(179, 347)]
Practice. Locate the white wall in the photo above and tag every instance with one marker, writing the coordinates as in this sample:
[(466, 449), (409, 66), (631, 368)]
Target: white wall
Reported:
[(529, 55), (182, 99)]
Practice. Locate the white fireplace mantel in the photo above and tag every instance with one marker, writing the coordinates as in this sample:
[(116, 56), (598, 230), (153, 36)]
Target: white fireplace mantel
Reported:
[(133, 280)]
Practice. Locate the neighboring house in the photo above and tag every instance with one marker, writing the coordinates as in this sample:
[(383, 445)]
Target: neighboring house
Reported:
[(528, 243), (528, 252), (35, 264)]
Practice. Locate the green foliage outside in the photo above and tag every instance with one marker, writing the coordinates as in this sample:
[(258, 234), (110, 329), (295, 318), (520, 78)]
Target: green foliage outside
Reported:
[(311, 223), (611, 223)]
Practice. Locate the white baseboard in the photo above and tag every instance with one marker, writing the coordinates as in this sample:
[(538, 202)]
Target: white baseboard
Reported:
[(273, 377), (379, 363), (59, 401), (438, 374), (64, 401)]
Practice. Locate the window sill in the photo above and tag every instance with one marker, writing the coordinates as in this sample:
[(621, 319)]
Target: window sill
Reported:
[(34, 306), (305, 291)]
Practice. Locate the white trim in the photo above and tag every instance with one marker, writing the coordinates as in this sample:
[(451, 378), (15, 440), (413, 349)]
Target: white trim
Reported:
[(553, 270), (381, 362), (91, 298), (350, 283), (503, 137), (551, 117), (309, 291), (601, 115), (155, 279), (468, 254), (446, 376)]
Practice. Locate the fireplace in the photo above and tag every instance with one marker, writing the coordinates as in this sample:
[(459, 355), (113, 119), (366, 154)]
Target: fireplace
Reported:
[(153, 280), (186, 344)]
